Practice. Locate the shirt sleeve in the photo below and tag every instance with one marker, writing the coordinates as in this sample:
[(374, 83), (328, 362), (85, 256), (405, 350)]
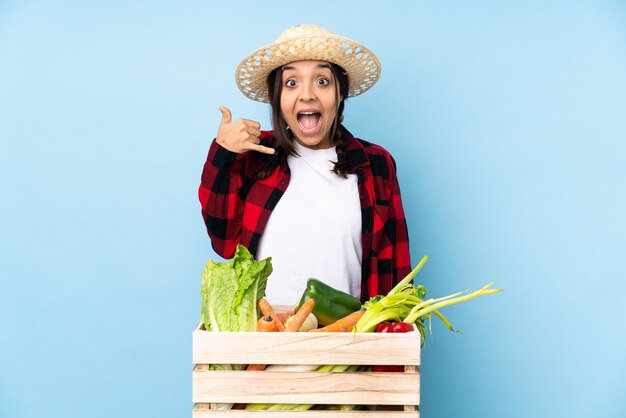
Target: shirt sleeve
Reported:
[(401, 253), (222, 208)]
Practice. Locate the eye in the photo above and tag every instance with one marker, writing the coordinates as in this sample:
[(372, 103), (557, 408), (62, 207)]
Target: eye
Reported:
[(290, 83), (323, 81)]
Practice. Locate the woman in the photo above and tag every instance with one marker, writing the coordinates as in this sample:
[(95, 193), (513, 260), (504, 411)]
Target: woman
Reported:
[(319, 201)]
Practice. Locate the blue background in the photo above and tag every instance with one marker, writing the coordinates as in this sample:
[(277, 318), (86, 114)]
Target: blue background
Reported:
[(507, 121)]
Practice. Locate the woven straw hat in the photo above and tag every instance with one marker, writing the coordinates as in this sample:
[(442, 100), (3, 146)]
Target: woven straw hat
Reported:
[(307, 42)]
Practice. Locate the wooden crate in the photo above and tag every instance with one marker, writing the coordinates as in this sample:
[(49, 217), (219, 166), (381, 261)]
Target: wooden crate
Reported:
[(386, 389)]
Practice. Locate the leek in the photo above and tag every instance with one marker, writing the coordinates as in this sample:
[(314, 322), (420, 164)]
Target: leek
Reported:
[(405, 303)]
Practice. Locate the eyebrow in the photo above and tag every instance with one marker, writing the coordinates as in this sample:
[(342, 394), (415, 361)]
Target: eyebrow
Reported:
[(318, 66)]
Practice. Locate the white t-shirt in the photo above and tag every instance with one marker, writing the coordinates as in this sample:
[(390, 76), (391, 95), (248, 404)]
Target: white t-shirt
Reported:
[(314, 230)]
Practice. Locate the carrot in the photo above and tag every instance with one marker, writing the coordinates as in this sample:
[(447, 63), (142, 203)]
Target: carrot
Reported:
[(296, 320), (267, 309), (345, 324), (266, 324)]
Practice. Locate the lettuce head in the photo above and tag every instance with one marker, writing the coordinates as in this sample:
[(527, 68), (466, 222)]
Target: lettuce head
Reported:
[(230, 291)]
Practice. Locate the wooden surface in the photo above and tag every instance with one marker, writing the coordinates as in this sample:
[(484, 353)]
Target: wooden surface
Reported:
[(305, 348), (361, 388), (207, 413)]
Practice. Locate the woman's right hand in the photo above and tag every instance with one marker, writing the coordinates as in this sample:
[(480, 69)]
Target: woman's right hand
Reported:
[(241, 135)]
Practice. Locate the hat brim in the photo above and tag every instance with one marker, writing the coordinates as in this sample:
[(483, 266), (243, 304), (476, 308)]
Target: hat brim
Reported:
[(359, 62)]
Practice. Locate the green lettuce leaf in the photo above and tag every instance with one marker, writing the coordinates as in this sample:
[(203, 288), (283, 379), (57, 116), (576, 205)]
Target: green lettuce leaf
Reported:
[(230, 292)]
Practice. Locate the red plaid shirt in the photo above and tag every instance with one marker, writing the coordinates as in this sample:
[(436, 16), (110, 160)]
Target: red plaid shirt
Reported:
[(236, 206)]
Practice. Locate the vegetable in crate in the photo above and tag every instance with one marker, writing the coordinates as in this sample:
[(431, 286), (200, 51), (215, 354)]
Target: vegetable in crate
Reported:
[(309, 324), (231, 290), (330, 304), (295, 321), (266, 324), (396, 327), (345, 324), (405, 303)]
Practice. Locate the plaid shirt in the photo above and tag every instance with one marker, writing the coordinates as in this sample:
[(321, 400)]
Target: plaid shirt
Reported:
[(236, 206)]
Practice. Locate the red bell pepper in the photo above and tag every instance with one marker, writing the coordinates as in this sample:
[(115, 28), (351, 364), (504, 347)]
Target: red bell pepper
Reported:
[(392, 327)]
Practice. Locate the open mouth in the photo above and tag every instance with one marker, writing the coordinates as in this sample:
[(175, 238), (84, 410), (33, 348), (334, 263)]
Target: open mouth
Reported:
[(310, 122)]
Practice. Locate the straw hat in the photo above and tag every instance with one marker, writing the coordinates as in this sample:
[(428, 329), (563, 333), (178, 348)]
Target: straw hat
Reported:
[(307, 42)]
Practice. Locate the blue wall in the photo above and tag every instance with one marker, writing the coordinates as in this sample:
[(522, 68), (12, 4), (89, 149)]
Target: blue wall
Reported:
[(507, 122)]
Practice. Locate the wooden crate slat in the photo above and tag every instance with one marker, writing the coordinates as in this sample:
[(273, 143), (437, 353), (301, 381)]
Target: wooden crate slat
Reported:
[(208, 413), (305, 348), (360, 388)]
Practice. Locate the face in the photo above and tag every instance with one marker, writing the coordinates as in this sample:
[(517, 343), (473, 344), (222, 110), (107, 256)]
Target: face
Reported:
[(308, 102)]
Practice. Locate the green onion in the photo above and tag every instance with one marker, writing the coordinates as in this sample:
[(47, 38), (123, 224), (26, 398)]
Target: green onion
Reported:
[(405, 303)]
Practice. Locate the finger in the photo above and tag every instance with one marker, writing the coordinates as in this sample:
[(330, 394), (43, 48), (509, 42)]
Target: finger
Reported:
[(252, 123), (226, 115), (253, 131), (261, 148)]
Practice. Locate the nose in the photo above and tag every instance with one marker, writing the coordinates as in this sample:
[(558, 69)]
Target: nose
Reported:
[(307, 94)]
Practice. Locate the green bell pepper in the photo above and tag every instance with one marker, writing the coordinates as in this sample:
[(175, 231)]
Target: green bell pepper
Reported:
[(330, 304)]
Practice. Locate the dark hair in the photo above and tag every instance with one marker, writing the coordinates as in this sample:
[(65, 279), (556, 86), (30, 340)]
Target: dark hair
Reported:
[(284, 137)]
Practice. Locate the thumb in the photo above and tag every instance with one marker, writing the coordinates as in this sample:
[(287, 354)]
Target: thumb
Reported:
[(226, 115)]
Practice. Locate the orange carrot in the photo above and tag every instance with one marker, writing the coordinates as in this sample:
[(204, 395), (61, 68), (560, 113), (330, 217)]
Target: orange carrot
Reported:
[(296, 320), (267, 309), (266, 324), (256, 367), (345, 324)]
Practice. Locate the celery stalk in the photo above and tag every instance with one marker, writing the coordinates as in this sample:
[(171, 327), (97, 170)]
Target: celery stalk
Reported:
[(408, 277), (412, 317)]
